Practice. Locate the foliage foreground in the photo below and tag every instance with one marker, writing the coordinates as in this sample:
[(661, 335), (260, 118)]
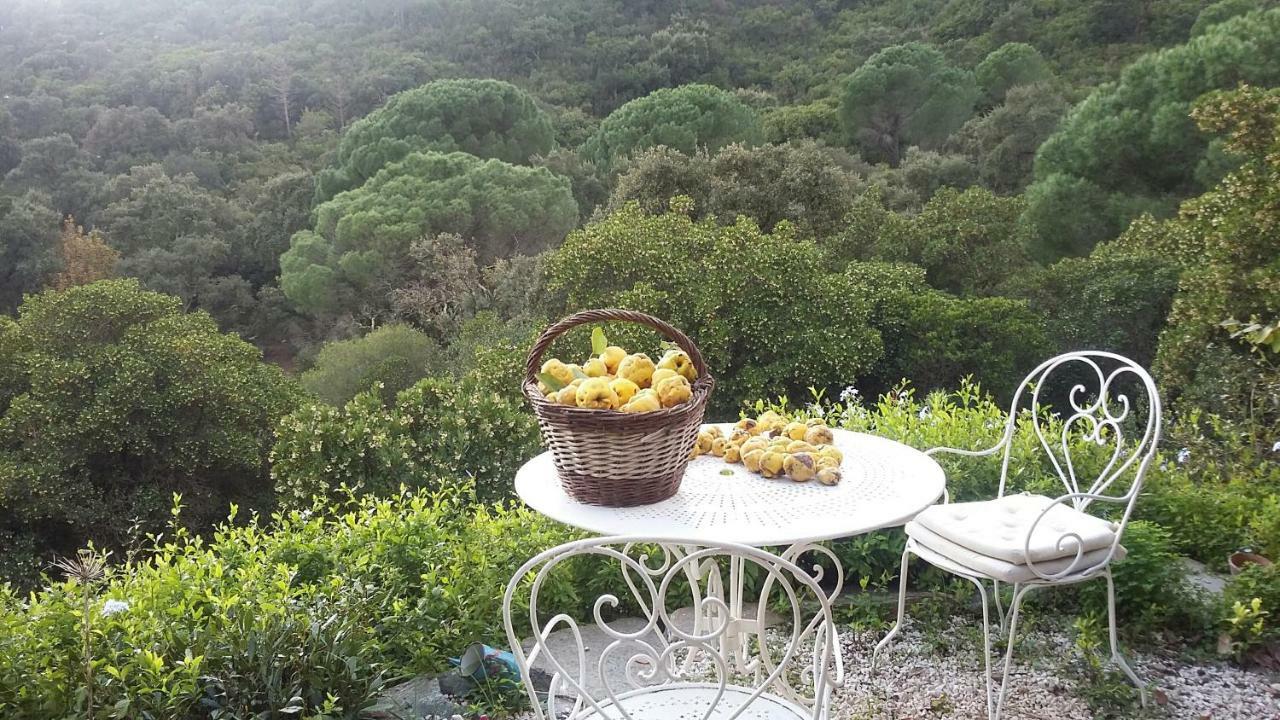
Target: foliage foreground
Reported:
[(311, 613)]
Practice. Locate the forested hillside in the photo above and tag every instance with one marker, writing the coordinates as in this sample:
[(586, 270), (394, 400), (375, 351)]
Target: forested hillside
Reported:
[(198, 138), (281, 262)]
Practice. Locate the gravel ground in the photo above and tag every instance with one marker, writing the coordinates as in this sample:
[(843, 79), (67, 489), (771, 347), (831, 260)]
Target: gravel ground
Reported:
[(942, 677)]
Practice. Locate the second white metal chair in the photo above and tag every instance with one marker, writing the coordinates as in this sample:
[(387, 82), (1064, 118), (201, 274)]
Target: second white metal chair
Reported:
[(1033, 541), (672, 671)]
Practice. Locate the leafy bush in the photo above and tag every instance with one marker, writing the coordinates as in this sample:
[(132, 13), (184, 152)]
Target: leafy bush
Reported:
[(437, 430), (943, 339), (311, 618), (1251, 602), (392, 358), (1109, 300), (1151, 587), (764, 311), (112, 398)]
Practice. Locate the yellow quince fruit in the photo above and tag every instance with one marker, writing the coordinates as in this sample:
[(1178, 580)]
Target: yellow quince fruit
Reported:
[(596, 394), (829, 476), (674, 390), (704, 441), (680, 362), (643, 401), (612, 356), (595, 367), (625, 389), (558, 370), (751, 459), (661, 374), (637, 368), (568, 395), (832, 452), (771, 464), (800, 467), (819, 435), (795, 430)]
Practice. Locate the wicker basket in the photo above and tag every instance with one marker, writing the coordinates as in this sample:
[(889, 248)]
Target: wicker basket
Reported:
[(612, 458)]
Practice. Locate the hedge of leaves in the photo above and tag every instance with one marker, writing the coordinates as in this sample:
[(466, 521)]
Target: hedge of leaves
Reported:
[(309, 618)]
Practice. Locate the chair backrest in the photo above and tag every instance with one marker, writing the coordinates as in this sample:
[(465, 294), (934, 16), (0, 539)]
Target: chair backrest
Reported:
[(593, 669), (1111, 402)]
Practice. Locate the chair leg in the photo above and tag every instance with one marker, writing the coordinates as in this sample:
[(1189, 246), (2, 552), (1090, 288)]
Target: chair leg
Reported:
[(1012, 639), (999, 605), (986, 637), (902, 608), (1116, 657)]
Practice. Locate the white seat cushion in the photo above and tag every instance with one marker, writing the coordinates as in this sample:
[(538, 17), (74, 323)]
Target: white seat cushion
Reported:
[(999, 528), (996, 569)]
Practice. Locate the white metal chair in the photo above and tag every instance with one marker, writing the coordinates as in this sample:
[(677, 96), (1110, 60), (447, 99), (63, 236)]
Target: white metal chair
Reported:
[(1032, 541), (674, 671)]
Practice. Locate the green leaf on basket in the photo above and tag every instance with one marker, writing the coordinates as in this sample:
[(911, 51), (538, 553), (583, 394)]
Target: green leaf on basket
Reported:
[(598, 341), (578, 373), (551, 381)]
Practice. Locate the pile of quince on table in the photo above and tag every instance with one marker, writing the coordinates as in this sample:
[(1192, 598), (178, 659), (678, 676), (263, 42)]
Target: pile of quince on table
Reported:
[(773, 447), (613, 379)]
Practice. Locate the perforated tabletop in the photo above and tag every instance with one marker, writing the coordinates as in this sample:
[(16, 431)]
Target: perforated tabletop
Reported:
[(885, 484)]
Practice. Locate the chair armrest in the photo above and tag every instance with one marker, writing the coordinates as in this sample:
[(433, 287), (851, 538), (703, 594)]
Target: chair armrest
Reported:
[(1067, 538), (946, 494)]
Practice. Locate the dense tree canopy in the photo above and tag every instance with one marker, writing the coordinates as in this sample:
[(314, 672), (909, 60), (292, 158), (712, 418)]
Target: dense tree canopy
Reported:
[(1132, 146), (28, 232), (800, 182), (688, 118), (486, 118), (361, 238), (905, 95), (1007, 67), (1226, 245)]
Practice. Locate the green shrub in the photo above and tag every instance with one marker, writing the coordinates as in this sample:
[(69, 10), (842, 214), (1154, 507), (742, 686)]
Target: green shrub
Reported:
[(116, 399), (393, 357), (323, 608), (1250, 604), (1151, 588), (943, 339), (766, 314), (437, 430)]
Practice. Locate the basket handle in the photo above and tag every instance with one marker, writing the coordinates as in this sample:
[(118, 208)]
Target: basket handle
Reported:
[(534, 363)]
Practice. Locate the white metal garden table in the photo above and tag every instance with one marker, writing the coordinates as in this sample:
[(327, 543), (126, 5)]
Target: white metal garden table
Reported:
[(885, 484)]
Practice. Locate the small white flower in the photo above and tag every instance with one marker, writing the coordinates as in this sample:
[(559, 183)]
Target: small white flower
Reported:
[(848, 394), (925, 413), (1183, 456), (111, 607), (816, 410), (1276, 447)]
